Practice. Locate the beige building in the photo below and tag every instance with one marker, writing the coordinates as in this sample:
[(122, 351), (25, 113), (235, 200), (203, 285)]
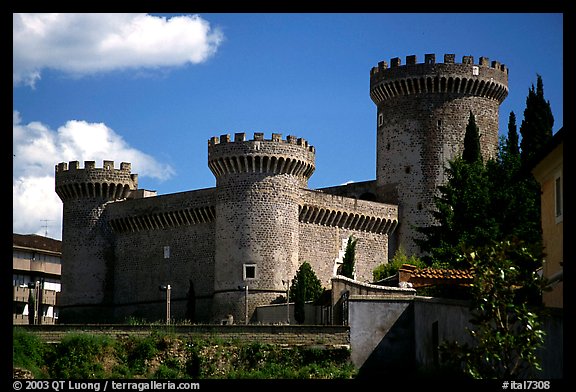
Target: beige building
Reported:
[(549, 171), (36, 266)]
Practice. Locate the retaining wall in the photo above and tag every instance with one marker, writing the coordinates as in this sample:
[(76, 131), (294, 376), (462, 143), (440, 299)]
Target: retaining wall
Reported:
[(292, 335)]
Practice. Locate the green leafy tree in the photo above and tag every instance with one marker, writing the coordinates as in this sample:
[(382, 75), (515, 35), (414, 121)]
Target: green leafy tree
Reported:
[(347, 268), (498, 201), (515, 193), (305, 287), (507, 332), (391, 268), (462, 214), (536, 127), (462, 209)]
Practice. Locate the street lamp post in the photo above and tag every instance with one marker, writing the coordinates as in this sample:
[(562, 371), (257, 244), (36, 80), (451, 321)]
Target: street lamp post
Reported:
[(167, 288), (245, 288), (287, 283)]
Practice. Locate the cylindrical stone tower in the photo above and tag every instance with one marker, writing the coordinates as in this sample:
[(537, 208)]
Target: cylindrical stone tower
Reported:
[(87, 249), (257, 196), (422, 113)]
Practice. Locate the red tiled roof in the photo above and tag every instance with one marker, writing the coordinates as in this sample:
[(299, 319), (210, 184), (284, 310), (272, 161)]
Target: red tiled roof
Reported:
[(431, 276), (37, 242)]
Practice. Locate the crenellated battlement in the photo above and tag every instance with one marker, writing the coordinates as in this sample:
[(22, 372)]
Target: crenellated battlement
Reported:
[(430, 59), (89, 165), (259, 136), (72, 181), (485, 79), (292, 155)]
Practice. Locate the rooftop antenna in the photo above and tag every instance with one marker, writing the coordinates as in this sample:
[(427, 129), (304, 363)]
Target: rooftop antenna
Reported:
[(45, 225)]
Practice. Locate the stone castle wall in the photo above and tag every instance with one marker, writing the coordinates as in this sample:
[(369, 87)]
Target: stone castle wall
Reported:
[(257, 196), (326, 223), (323, 247), (261, 222), (422, 113), (87, 246), (185, 223)]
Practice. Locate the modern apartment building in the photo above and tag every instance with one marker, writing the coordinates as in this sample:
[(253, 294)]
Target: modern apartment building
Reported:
[(36, 267)]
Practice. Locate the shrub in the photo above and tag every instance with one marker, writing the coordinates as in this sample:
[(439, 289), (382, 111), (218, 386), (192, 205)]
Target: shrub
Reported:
[(77, 356), (392, 267), (28, 352), (138, 352)]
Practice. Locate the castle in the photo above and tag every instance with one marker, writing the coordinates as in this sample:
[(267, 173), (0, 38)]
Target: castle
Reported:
[(249, 234)]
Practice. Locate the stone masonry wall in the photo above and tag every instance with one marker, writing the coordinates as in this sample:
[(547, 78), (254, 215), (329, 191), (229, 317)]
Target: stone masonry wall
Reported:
[(422, 113), (326, 223), (415, 144), (323, 247), (261, 215), (256, 225), (258, 185), (183, 222), (87, 247), (297, 335), (143, 268)]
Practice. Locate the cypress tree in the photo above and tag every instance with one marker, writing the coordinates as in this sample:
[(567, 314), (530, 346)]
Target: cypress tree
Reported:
[(305, 287), (462, 207), (462, 213), (536, 127), (512, 147), (347, 268), (498, 201), (471, 153)]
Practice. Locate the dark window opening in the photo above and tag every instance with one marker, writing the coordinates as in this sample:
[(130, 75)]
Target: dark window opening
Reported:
[(249, 271)]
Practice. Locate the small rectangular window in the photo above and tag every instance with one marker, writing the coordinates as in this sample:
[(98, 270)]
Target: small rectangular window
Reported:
[(558, 198), (249, 271), (380, 119)]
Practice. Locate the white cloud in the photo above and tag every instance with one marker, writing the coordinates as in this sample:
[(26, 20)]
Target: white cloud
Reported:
[(83, 44), (37, 149)]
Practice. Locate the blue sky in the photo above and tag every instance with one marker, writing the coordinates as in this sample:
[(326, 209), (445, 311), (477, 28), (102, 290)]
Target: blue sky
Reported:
[(152, 89)]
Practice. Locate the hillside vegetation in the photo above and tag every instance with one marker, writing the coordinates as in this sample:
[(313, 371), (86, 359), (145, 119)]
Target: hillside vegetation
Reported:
[(165, 356)]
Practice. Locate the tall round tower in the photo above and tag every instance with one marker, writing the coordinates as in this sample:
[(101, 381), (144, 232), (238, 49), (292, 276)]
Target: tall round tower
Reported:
[(87, 253), (257, 196), (422, 113)]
